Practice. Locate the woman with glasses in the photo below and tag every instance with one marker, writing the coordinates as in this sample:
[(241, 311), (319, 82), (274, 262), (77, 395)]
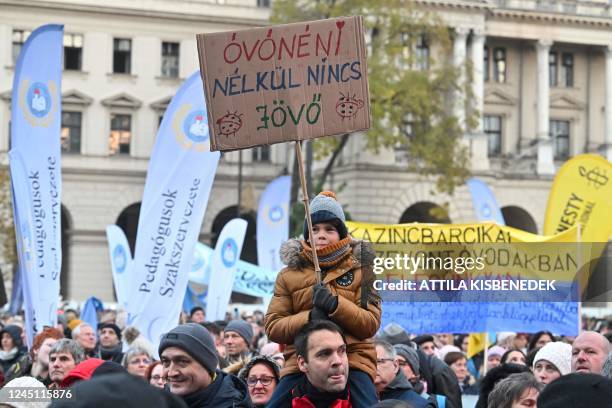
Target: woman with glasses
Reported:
[(136, 361), (261, 375), (155, 376)]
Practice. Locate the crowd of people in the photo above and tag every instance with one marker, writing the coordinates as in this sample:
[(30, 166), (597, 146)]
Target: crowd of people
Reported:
[(319, 344)]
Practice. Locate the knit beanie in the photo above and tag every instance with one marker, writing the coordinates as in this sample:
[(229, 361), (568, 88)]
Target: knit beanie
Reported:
[(113, 326), (410, 355), (577, 390), (558, 354), (15, 332), (444, 350), (241, 327), (423, 338), (196, 341), (394, 334), (325, 208), (496, 351)]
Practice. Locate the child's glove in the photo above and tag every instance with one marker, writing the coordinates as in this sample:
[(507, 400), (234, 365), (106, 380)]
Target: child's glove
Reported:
[(323, 299), (318, 314)]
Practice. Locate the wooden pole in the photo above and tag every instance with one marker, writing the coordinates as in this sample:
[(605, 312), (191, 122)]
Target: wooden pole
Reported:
[(315, 258)]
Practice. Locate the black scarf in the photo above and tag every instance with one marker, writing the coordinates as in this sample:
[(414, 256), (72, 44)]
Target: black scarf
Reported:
[(318, 398)]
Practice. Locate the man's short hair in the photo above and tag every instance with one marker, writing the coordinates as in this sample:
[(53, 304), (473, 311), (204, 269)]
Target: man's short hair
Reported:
[(212, 327), (388, 347), (77, 330), (69, 346), (510, 389), (301, 340)]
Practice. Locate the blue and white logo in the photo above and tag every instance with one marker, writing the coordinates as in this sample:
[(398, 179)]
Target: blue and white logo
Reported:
[(229, 253), (276, 213), (39, 99), (119, 258), (195, 126), (485, 210)]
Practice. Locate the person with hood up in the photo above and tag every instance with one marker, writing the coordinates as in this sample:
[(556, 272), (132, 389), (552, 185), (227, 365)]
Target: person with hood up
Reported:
[(11, 347), (190, 362), (345, 296)]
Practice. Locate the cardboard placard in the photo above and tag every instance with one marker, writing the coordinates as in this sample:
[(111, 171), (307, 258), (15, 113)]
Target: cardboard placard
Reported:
[(284, 83)]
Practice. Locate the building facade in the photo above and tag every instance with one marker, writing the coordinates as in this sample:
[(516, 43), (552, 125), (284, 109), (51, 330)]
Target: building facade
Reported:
[(542, 79)]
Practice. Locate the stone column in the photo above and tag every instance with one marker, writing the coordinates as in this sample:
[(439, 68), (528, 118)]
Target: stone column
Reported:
[(545, 163), (459, 53), (479, 140), (608, 107)]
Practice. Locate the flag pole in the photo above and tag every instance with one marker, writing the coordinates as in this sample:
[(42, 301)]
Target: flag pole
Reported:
[(298, 156)]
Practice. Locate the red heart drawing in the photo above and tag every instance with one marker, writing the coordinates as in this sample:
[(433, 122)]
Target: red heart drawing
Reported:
[(339, 24)]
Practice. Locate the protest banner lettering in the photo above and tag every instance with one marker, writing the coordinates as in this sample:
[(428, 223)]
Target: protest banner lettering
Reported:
[(286, 82), (179, 180)]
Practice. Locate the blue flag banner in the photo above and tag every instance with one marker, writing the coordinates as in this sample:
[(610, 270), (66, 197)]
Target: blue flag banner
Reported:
[(89, 314), (485, 204), (250, 279), (447, 317), (121, 263), (224, 264), (36, 173), (179, 180), (273, 222)]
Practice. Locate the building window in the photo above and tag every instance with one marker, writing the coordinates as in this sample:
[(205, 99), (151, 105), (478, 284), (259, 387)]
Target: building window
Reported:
[(121, 134), (552, 69), (486, 64), (71, 132), (499, 65), (422, 53), (263, 3), (19, 38), (73, 51), (261, 154), (567, 70), (122, 55), (170, 60), (493, 129), (560, 134)]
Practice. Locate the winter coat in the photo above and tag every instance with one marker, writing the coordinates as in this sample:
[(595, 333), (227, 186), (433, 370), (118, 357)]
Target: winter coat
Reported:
[(401, 389), (440, 378), (306, 396), (358, 312), (227, 391), (82, 371)]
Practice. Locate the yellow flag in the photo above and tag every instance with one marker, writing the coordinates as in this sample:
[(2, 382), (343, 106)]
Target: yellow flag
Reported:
[(582, 194), (476, 343)]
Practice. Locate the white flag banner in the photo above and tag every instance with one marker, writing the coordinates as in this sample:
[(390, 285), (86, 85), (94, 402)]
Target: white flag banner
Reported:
[(179, 180), (34, 158), (273, 222), (224, 265), (121, 263)]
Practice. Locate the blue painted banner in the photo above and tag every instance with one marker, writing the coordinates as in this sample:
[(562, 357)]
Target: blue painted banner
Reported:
[(179, 180), (438, 317), (36, 173), (249, 279)]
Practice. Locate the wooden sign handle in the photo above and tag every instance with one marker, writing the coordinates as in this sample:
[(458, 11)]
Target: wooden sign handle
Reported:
[(315, 258)]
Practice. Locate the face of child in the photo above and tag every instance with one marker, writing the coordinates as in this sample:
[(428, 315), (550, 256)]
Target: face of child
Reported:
[(324, 234)]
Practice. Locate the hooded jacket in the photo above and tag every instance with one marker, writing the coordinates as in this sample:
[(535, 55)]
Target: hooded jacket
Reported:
[(358, 312), (401, 389), (226, 391)]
